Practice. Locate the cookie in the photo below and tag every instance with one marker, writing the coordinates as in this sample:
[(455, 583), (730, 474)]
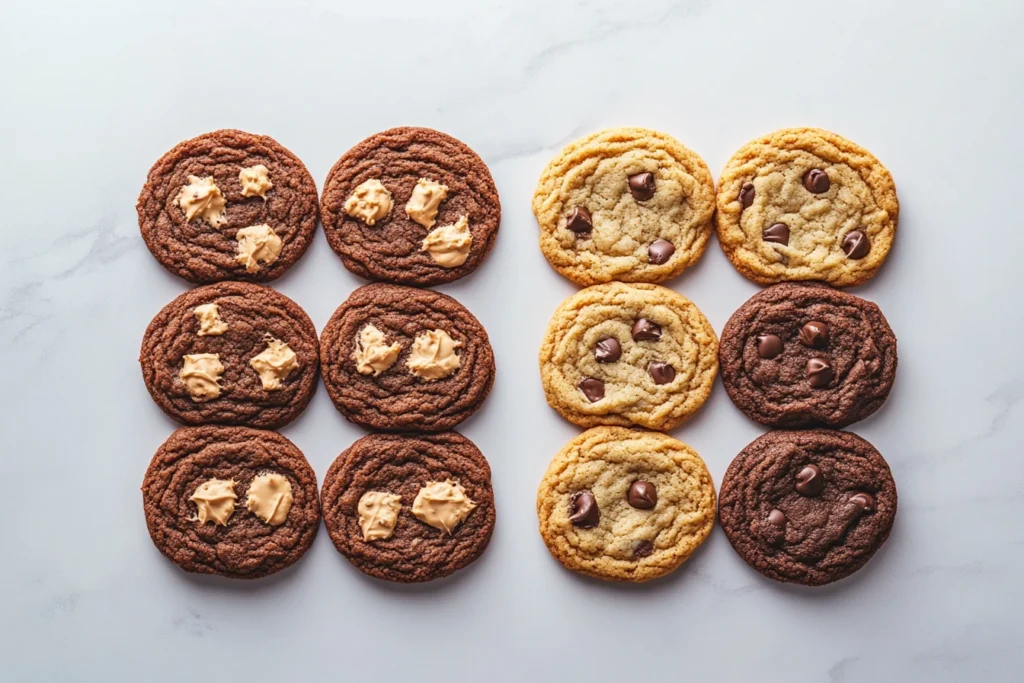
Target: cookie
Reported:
[(232, 501), (627, 204), (619, 354), (807, 507), (409, 508), (231, 353), (228, 205), (625, 505), (800, 355), (412, 206), (806, 204), (398, 358)]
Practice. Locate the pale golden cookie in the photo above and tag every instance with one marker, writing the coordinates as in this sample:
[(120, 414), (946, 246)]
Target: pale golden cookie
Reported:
[(625, 505), (627, 204), (806, 204), (619, 354)]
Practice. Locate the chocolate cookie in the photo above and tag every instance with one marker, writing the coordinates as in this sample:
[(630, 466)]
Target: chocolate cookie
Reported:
[(799, 355), (627, 204), (806, 204), (410, 508), (620, 354), (233, 501), (397, 358), (808, 507), (228, 205), (625, 505), (411, 205), (231, 353)]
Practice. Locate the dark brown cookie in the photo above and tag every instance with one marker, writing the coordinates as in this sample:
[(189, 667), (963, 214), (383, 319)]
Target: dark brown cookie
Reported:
[(808, 507), (801, 355), (389, 473), (208, 249), (243, 460), (392, 248), (246, 322), (384, 371)]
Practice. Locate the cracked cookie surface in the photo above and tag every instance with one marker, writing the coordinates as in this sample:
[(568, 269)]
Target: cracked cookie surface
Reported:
[(808, 507), (806, 204), (623, 354), (401, 465), (246, 547), (648, 203), (201, 252), (639, 531)]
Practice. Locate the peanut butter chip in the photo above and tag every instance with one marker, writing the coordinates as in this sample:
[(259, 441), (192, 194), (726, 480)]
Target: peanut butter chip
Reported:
[(370, 202), (442, 504), (378, 514), (255, 181), (274, 363), (257, 244), (201, 198), (426, 197), (210, 324), (433, 355), (449, 245), (201, 374), (215, 500), (372, 354), (270, 498)]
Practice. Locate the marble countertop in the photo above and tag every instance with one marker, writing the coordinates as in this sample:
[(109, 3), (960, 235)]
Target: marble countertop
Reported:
[(93, 95)]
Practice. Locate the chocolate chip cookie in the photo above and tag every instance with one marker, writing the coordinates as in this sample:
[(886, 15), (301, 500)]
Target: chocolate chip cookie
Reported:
[(619, 354), (799, 355), (397, 358), (231, 353), (627, 204), (625, 505), (411, 205), (228, 205), (808, 507), (232, 501), (410, 508), (806, 204)]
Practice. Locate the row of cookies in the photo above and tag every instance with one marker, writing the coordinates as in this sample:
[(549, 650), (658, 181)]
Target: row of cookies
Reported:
[(636, 205), (244, 503), (408, 205)]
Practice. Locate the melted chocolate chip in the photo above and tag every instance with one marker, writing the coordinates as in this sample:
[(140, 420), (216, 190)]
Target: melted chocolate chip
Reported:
[(583, 510), (608, 350), (777, 233), (661, 373), (856, 245), (660, 251), (816, 181), (747, 194), (641, 186), (865, 501), (642, 495), (819, 373), (810, 481), (768, 346), (777, 518), (592, 388), (579, 220), (643, 549), (814, 335), (645, 330)]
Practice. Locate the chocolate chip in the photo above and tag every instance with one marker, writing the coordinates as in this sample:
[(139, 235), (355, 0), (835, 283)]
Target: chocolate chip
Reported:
[(583, 510), (777, 518), (747, 194), (641, 186), (777, 233), (660, 251), (865, 501), (661, 373), (814, 335), (608, 350), (579, 220), (856, 245), (643, 549), (768, 346), (642, 495), (810, 481), (592, 388), (816, 181), (645, 330), (819, 373)]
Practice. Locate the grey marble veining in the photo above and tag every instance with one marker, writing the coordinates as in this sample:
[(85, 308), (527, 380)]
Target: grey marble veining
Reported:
[(94, 93)]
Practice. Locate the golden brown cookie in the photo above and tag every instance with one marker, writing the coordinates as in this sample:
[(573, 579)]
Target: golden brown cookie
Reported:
[(619, 354), (625, 505), (627, 204), (806, 204)]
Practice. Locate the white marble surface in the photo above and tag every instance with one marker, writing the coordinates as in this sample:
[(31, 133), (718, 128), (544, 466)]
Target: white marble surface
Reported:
[(93, 95)]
